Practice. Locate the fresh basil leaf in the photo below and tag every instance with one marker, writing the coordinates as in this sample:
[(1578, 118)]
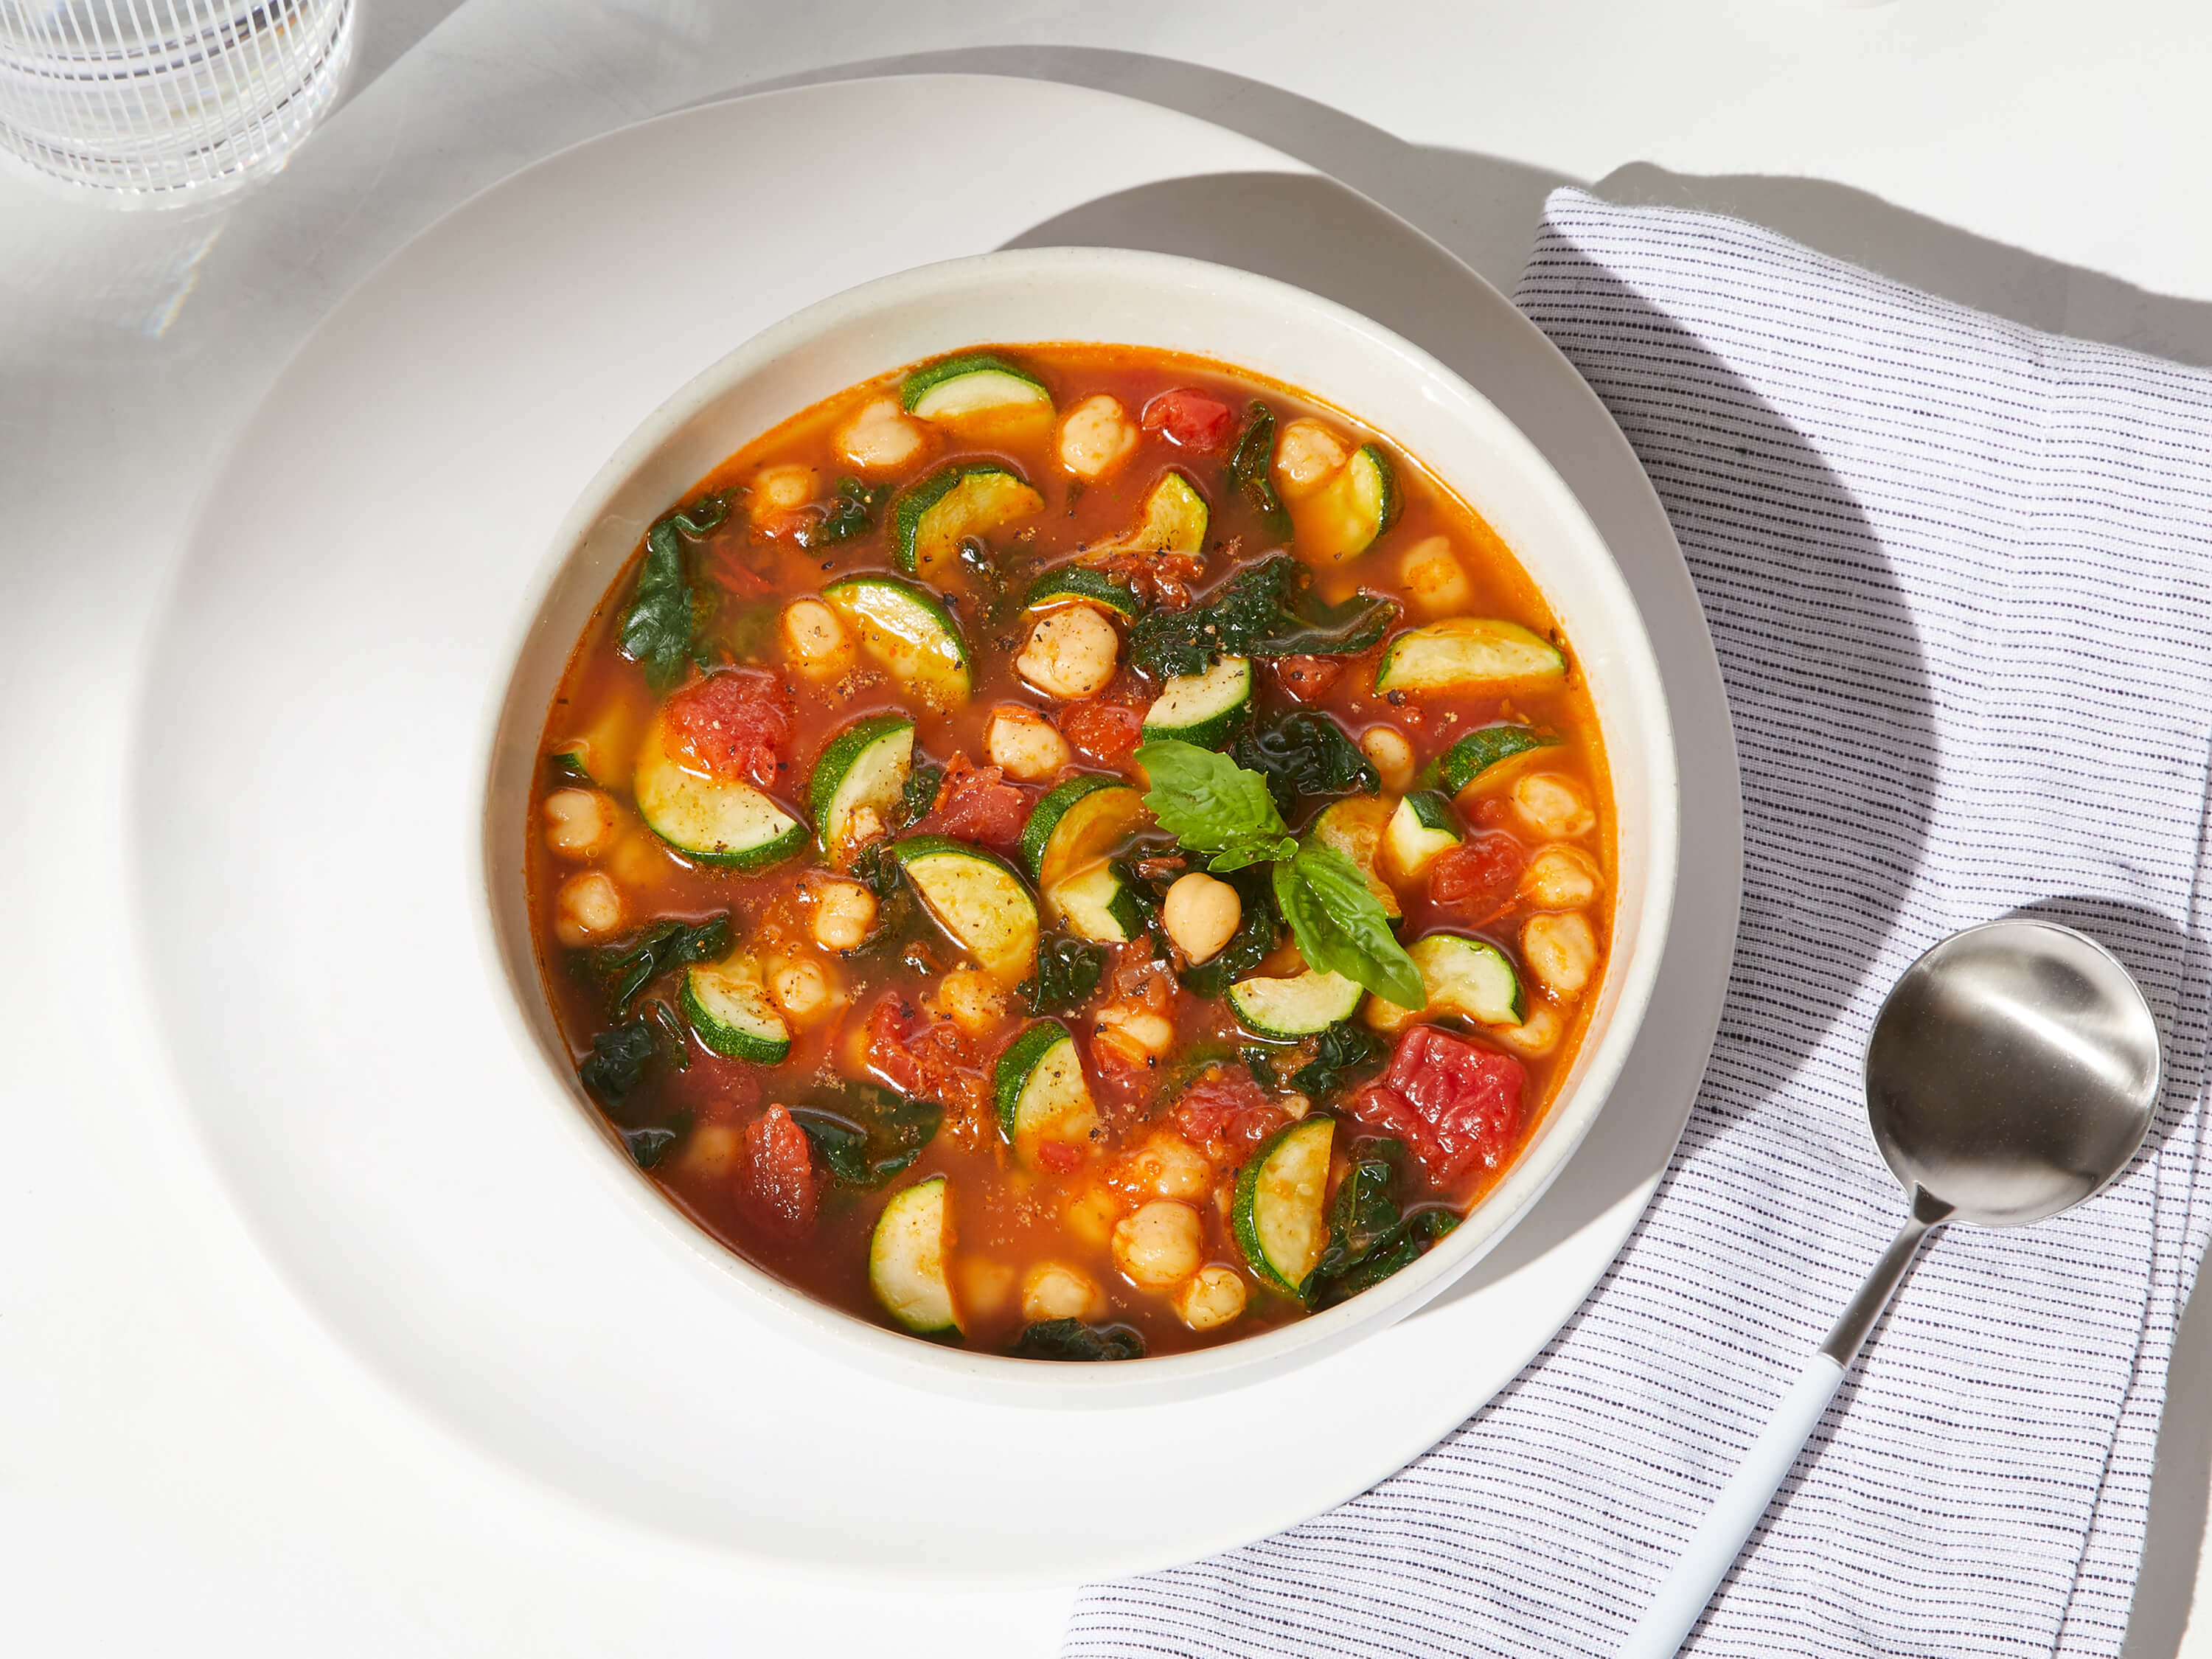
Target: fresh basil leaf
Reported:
[(1265, 610), (1071, 1339), (851, 512), (626, 968), (1303, 754), (868, 1134), (1344, 1050), (1212, 806), (1339, 926), (658, 630), (1067, 973), (1248, 469)]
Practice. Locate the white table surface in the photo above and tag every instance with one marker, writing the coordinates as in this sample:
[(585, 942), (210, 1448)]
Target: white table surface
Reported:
[(186, 1460)]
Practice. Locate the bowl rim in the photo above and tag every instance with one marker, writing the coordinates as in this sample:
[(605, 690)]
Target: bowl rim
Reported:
[(914, 1360)]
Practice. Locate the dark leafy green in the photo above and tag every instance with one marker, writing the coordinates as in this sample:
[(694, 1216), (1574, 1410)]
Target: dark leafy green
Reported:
[(662, 621), (1304, 754), (626, 968), (1254, 939), (1345, 1051), (1339, 926), (1401, 1246), (922, 786), (851, 512), (647, 1146), (868, 1134), (1264, 612), (620, 1058), (1213, 806), (1067, 973), (1368, 1239), (1248, 469), (1071, 1339), (562, 766), (1262, 1063)]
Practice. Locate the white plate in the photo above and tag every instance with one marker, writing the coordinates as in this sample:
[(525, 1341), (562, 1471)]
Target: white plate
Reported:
[(305, 845)]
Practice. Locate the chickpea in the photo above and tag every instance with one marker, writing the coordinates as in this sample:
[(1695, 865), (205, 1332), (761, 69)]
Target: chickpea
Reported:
[(1561, 952), (1210, 1298), (1535, 1036), (1050, 1290), (1306, 455), (580, 823), (814, 641), (1070, 652), (1096, 437), (1090, 1217), (711, 1152), (1167, 1166), (1136, 1030), (1159, 1245), (1560, 879), (1026, 745), (589, 906), (639, 858), (970, 1001), (844, 914), (881, 438), (1434, 580), (1553, 806), (1201, 913), (1393, 756), (985, 1285), (866, 824), (801, 988), (780, 489)]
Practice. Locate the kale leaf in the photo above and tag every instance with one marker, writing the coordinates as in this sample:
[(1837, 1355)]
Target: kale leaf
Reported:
[(922, 786), (1067, 972), (1255, 937), (1262, 1063), (851, 512), (1368, 1239), (1344, 1050), (1248, 469), (658, 630), (867, 1133), (648, 1147), (1071, 1339), (620, 1058), (1305, 753), (1264, 612), (628, 969)]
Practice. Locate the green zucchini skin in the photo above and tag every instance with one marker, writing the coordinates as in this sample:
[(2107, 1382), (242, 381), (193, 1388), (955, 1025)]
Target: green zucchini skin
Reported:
[(1081, 581), (1261, 1216), (866, 764), (930, 384), (1486, 747), (959, 500), (1207, 710)]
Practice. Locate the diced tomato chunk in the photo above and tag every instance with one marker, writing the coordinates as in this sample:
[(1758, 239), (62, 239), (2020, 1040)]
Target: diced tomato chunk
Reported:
[(1190, 418), (1107, 732), (929, 1060), (1456, 1106), (1061, 1157), (734, 725), (1308, 677), (975, 803), (1479, 875), (776, 1173), (1224, 1107)]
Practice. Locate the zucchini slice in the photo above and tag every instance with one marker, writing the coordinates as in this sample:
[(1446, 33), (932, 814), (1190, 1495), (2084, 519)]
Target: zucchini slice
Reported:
[(1042, 1093), (1077, 581), (968, 498), (1077, 824), (1493, 745), (1278, 1217), (1468, 977), (733, 1016), (974, 384), (1296, 1008), (866, 764), (1470, 653), (1354, 828), (717, 821), (1207, 709), (1423, 827), (1173, 520), (908, 632), (906, 1260), (1098, 905), (1343, 518), (976, 897)]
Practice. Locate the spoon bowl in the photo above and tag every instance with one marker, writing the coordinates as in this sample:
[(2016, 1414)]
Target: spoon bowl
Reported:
[(2012, 1072)]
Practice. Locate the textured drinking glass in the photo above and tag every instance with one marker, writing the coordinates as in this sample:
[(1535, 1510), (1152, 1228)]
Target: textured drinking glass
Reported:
[(159, 99)]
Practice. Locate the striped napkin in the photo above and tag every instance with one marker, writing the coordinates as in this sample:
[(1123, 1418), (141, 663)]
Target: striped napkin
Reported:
[(1957, 574)]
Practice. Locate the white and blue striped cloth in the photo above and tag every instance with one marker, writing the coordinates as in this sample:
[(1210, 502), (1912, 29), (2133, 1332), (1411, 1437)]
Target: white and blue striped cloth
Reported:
[(1960, 577)]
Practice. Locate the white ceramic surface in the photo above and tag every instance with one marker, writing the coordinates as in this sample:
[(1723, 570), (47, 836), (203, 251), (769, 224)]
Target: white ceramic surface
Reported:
[(1120, 296), (306, 850)]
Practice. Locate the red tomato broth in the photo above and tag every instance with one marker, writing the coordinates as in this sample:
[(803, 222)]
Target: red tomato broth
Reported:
[(1006, 1216)]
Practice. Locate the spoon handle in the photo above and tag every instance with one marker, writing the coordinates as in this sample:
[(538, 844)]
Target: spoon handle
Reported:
[(1719, 1539)]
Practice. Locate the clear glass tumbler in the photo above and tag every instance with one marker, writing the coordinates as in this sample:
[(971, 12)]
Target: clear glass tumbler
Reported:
[(165, 98)]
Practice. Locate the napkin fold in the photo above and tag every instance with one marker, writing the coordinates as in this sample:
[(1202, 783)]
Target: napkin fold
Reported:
[(1956, 574)]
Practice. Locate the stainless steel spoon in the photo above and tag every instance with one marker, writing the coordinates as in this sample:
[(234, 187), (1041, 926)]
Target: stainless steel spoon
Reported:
[(2012, 1073)]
